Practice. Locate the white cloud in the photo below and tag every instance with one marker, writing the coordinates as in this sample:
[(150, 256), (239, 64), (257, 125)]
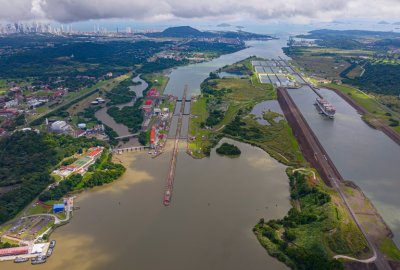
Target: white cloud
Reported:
[(292, 10)]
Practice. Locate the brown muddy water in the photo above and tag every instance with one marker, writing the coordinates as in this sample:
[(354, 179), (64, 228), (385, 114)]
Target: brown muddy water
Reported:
[(215, 203)]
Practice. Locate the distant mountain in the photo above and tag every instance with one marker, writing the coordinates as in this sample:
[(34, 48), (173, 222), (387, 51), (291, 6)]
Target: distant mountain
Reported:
[(190, 32), (396, 23), (181, 32), (224, 25), (383, 22)]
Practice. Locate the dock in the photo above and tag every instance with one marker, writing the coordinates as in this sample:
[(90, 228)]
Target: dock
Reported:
[(169, 184)]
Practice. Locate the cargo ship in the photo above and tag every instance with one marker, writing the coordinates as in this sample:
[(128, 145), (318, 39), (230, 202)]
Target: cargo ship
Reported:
[(324, 107)]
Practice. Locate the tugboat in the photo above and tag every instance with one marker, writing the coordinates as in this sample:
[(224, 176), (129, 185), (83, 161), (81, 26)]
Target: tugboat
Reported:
[(39, 259), (49, 252), (167, 198), (324, 107), (52, 244), (21, 260)]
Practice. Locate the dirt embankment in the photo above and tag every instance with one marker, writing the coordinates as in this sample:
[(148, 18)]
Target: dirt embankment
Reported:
[(378, 124)]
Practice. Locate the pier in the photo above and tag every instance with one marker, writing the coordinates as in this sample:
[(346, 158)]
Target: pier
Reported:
[(169, 184)]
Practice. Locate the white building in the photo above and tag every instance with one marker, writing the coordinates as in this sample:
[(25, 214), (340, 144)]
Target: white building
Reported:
[(60, 127)]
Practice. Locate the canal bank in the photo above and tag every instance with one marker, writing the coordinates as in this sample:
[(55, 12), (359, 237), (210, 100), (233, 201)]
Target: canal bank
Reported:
[(362, 154)]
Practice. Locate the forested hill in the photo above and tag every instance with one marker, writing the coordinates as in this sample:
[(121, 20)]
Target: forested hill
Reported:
[(190, 32), (26, 161)]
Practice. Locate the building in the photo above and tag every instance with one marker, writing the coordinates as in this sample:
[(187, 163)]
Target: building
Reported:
[(148, 106), (59, 127), (152, 93), (82, 125), (14, 251), (11, 104), (95, 152), (8, 113), (152, 137), (82, 164), (59, 207)]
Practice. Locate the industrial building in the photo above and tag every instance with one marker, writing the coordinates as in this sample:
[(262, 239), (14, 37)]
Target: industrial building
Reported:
[(60, 127), (14, 251), (57, 208)]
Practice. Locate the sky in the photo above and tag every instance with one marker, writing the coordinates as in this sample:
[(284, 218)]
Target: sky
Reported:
[(292, 11)]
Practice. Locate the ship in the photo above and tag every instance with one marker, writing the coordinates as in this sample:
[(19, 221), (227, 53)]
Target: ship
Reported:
[(39, 260), (52, 244), (21, 260), (49, 252), (324, 107), (167, 198)]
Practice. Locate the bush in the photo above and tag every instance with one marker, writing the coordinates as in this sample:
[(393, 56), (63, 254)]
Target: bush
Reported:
[(228, 150)]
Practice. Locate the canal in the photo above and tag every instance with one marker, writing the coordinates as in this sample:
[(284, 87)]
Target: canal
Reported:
[(103, 116), (362, 154)]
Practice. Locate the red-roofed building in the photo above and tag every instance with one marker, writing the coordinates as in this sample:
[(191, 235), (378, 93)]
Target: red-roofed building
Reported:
[(95, 152), (14, 251), (148, 105), (152, 137), (152, 93), (8, 112)]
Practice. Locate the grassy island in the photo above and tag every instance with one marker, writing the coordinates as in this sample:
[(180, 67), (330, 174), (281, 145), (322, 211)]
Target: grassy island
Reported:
[(227, 149)]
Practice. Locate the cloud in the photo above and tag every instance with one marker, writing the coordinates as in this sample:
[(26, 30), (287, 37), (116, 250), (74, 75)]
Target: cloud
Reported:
[(292, 10)]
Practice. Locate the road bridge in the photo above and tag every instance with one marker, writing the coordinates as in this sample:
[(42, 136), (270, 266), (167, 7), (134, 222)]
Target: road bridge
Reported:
[(133, 135), (130, 149)]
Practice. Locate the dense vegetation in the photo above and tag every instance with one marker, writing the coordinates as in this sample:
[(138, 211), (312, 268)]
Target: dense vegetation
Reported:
[(379, 78), (102, 172), (19, 165), (130, 116), (61, 189), (74, 56), (285, 238), (161, 64), (121, 93), (228, 150)]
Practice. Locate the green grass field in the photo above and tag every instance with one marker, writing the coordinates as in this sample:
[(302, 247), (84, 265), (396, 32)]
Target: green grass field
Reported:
[(157, 80), (242, 94), (369, 102)]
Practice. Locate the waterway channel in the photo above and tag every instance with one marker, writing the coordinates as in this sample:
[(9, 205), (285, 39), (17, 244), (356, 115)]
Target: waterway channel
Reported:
[(216, 202), (362, 154), (103, 116)]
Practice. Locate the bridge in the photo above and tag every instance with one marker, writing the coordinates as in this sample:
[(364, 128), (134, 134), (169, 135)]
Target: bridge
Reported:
[(130, 149), (127, 136)]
